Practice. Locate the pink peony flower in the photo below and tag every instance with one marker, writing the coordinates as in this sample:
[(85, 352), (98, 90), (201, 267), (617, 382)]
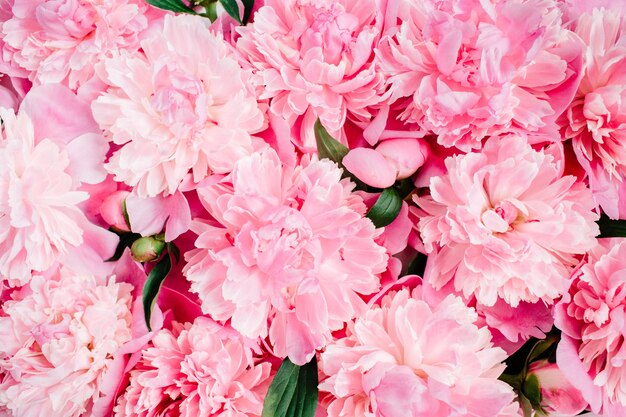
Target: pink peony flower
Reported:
[(596, 120), (468, 69), (592, 317), (289, 256), (505, 223), (59, 338), (62, 41), (199, 369), (406, 358), (46, 153), (185, 105), (314, 59)]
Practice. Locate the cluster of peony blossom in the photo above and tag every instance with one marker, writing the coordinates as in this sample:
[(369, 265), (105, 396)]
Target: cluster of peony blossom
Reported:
[(254, 162)]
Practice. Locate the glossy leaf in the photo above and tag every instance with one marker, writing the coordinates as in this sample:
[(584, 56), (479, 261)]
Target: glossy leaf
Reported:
[(232, 8), (386, 208), (153, 285), (126, 240), (172, 5), (327, 146), (541, 347), (293, 392), (330, 148)]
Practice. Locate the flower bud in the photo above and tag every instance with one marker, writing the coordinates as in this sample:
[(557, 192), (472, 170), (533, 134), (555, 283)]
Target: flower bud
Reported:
[(559, 398), (112, 210), (147, 249), (406, 155), (371, 167)]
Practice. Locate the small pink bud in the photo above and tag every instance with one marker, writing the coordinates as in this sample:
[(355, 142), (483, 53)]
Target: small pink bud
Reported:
[(407, 155), (147, 249), (112, 210), (559, 398), (371, 167)]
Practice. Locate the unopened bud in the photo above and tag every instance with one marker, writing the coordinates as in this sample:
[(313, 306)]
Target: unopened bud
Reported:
[(112, 210), (147, 249), (406, 155)]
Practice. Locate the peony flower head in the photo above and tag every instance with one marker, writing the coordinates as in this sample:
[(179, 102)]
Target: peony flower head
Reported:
[(596, 120), (62, 41), (45, 156), (199, 369), (409, 358), (314, 59), (59, 338), (469, 69), (289, 256), (505, 223), (184, 106), (592, 317)]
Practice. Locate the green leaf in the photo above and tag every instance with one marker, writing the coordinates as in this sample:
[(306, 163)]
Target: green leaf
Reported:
[(541, 347), (527, 408), (174, 251), (327, 146), (532, 391), (126, 240), (153, 285), (330, 148), (611, 228), (172, 5), (232, 8), (513, 380), (386, 208), (293, 392), (125, 213)]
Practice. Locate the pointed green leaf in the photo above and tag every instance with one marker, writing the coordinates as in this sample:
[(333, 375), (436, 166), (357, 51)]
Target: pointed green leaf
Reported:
[(532, 391), (174, 251), (526, 407), (386, 208), (611, 228), (126, 240), (232, 8), (541, 347), (327, 146), (153, 285), (293, 392), (330, 148), (172, 5)]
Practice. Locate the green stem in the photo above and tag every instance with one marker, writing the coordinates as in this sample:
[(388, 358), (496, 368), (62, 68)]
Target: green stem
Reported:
[(211, 9)]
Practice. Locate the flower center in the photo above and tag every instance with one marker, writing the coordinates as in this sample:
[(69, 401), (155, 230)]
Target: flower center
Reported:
[(66, 18), (501, 217), (331, 29)]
